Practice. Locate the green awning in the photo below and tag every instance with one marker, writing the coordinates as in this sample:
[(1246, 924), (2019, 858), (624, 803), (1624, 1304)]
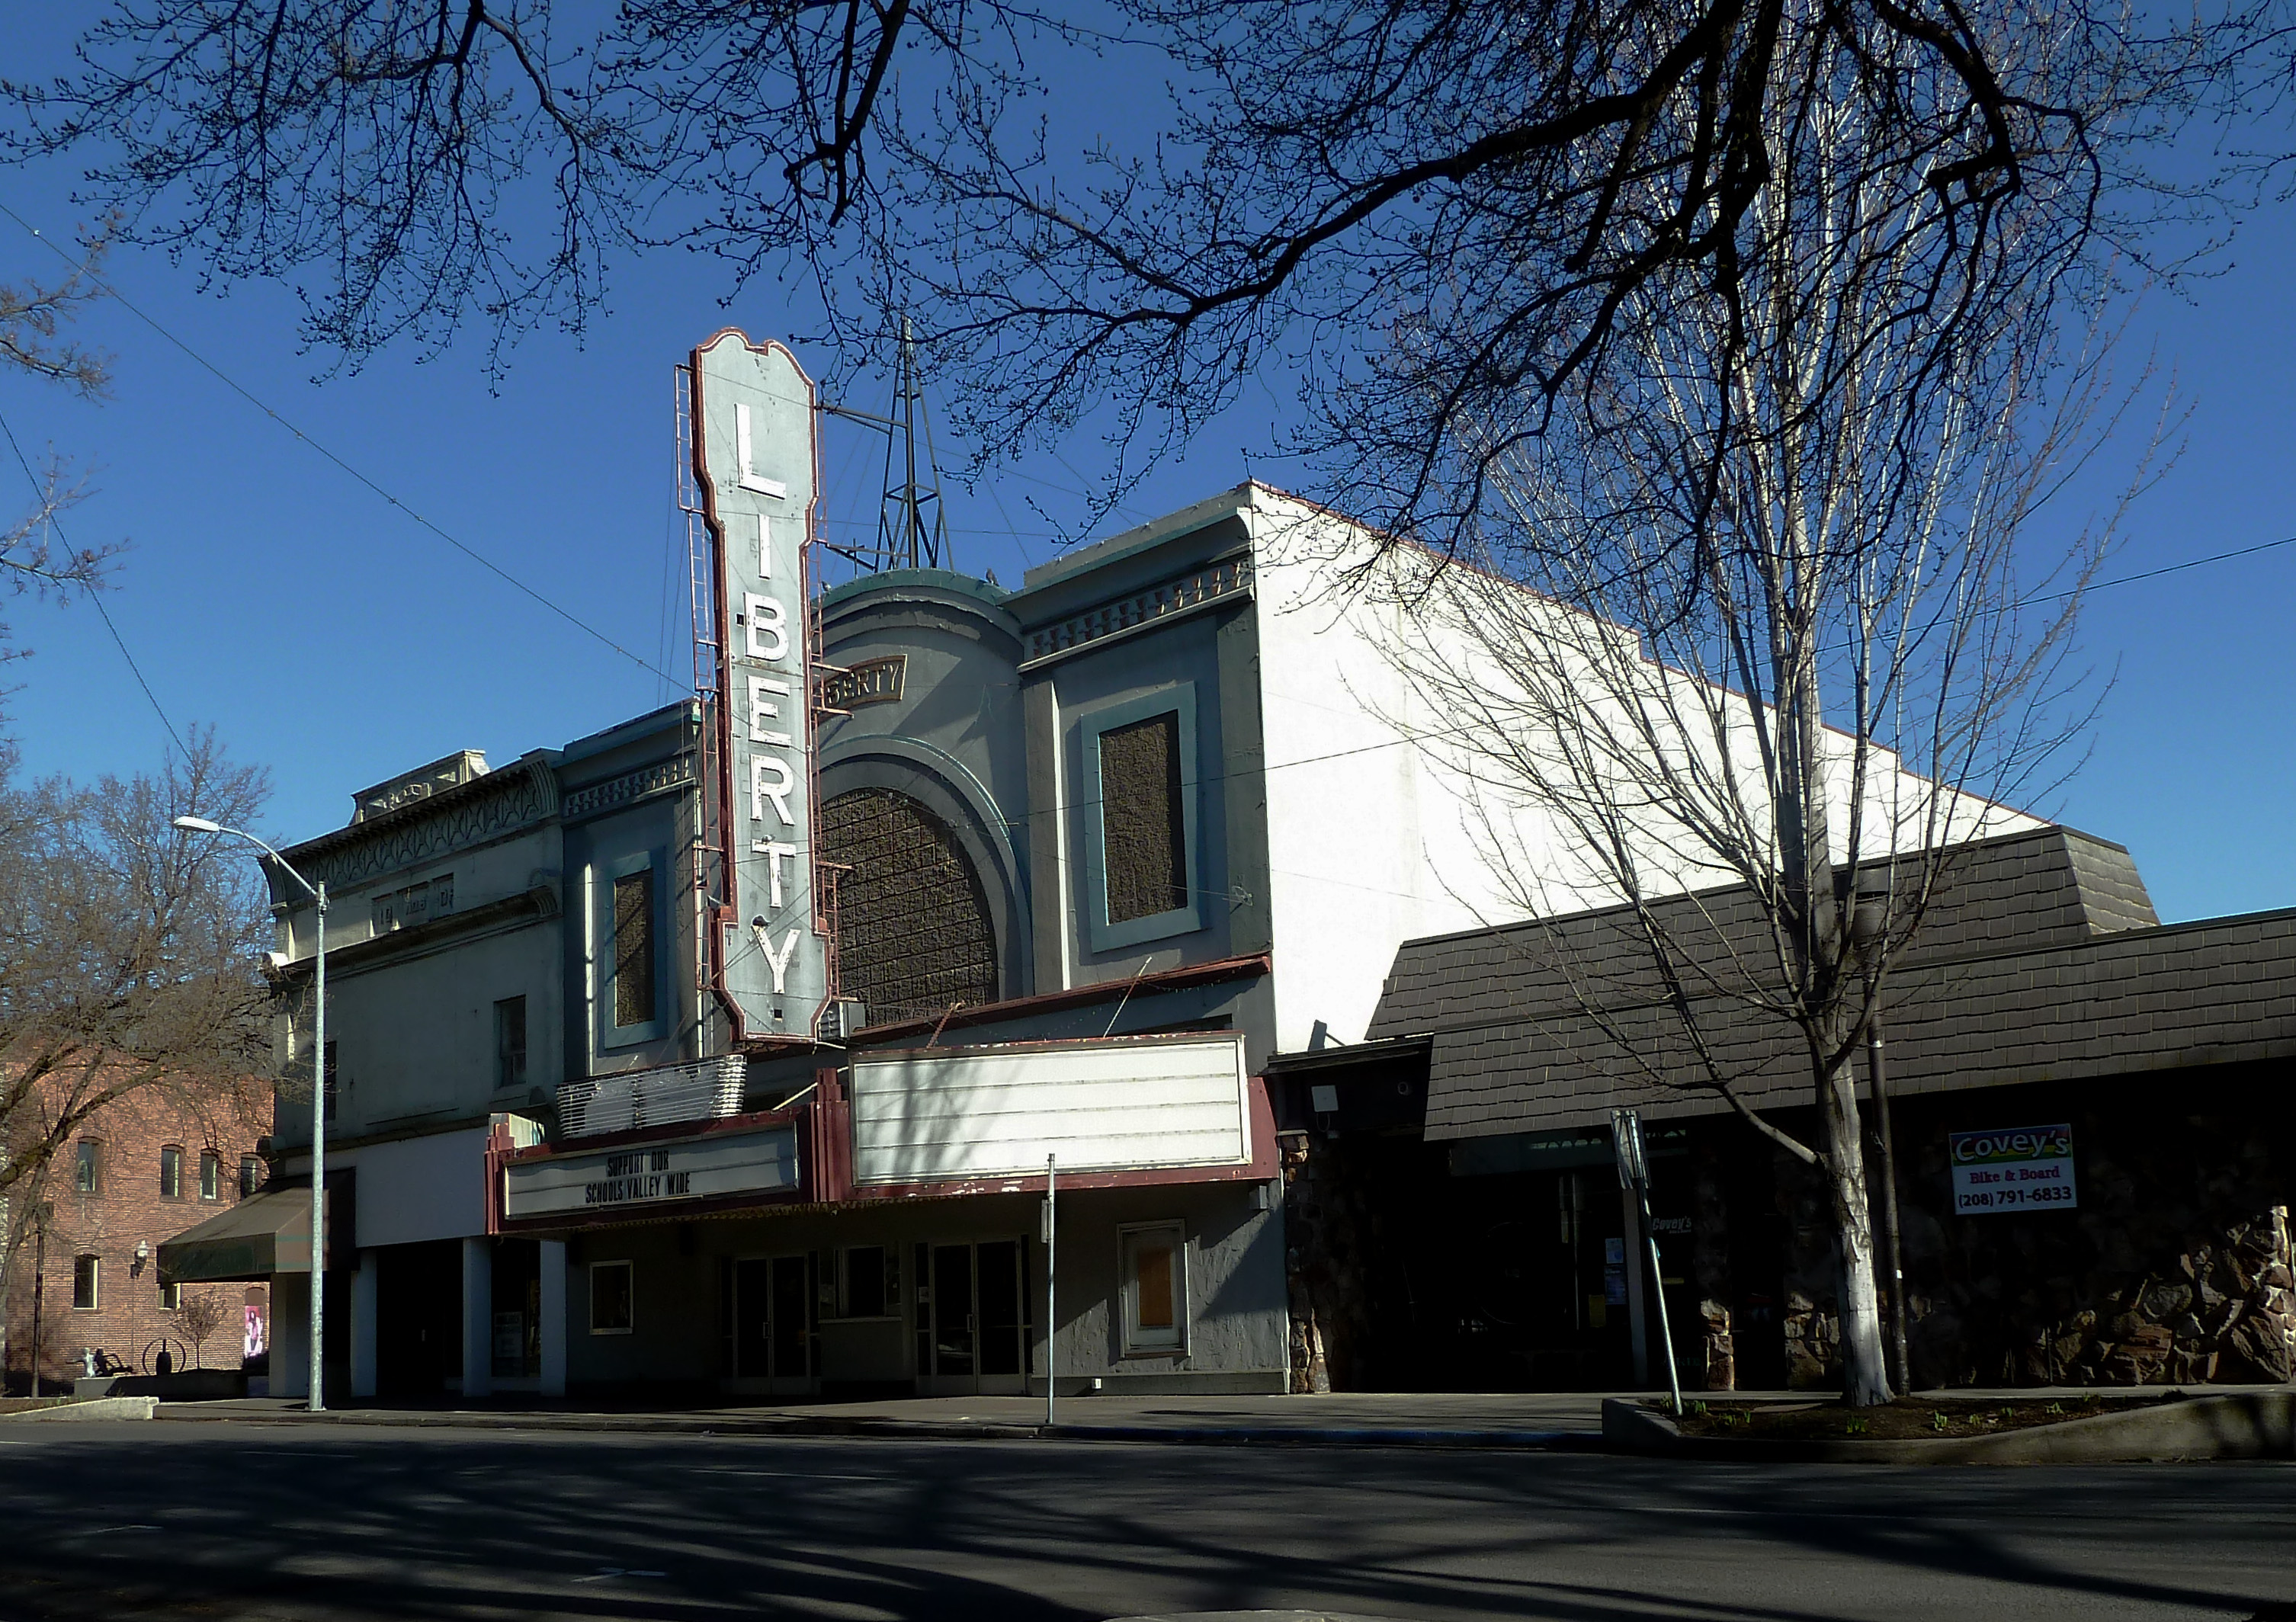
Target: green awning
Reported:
[(263, 1234)]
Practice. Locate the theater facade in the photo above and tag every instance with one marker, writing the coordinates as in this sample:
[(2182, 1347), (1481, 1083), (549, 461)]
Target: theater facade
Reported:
[(730, 1049)]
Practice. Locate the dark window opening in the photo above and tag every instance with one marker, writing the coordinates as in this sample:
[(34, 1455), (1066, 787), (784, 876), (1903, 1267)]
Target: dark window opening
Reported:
[(865, 1281), (1142, 834), (171, 1174), (88, 1177), (510, 1043), (611, 1303), (633, 962), (210, 1175), (250, 1174), (85, 1296)]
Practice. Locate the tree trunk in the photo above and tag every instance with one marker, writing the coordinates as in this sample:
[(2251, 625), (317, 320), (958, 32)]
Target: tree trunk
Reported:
[(1865, 1370)]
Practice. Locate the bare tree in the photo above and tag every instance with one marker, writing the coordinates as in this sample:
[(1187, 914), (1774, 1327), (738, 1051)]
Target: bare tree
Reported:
[(1766, 747), (34, 560), (199, 1317), (1513, 175), (24, 1211), (128, 953)]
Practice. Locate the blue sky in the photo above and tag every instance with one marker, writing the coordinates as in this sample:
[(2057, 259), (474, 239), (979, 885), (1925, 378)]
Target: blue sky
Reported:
[(328, 637)]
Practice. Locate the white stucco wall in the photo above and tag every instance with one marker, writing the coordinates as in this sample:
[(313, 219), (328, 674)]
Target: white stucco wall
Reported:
[(1374, 838)]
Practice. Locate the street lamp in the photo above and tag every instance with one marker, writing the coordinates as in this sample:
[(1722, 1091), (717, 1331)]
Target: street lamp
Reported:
[(318, 893)]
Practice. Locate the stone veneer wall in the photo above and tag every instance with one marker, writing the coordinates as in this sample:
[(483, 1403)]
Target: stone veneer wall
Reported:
[(2175, 1269)]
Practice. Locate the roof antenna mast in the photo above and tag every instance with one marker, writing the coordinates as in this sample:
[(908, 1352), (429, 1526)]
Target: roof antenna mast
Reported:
[(913, 527)]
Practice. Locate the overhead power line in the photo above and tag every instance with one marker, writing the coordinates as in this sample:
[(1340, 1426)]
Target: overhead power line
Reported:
[(95, 594), (228, 381), (2165, 568), (647, 665)]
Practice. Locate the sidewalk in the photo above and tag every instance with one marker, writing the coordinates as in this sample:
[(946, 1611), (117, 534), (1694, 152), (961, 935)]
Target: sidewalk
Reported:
[(1563, 1420), (1568, 1419)]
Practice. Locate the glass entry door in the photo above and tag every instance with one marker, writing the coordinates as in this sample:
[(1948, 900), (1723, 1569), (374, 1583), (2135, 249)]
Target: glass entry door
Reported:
[(973, 1324), (953, 1316), (773, 1321)]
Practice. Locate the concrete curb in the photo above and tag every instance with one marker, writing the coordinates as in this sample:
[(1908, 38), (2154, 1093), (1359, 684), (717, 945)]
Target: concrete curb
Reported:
[(2243, 1425), (94, 1408), (1261, 1436), (1282, 1435), (607, 1424), (1257, 1615)]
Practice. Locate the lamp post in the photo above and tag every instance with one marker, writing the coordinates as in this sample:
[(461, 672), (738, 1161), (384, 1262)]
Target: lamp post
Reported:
[(318, 894)]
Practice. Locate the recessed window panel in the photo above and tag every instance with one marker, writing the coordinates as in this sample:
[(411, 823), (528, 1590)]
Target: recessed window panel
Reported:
[(1143, 831), (634, 948)]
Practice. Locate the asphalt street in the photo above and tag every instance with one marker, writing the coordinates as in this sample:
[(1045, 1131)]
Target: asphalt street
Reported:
[(244, 1520)]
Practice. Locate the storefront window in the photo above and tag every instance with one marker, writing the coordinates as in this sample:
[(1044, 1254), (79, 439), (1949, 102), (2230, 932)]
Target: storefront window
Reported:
[(865, 1290), (611, 1302)]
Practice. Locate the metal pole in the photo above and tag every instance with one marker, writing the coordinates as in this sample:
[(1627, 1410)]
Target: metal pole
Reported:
[(318, 1262), (1900, 1370), (1634, 1181), (1051, 1316), (1658, 1283), (39, 1297), (319, 1160)]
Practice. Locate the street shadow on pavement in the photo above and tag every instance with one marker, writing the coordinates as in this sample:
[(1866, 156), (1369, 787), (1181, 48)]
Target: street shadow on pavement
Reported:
[(249, 1521)]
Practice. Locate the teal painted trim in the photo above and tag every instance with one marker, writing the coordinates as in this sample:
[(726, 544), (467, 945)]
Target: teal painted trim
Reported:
[(1101, 934), (919, 756), (894, 579), (1197, 515), (630, 731)]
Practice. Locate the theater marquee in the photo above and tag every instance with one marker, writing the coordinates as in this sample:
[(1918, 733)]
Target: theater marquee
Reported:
[(651, 1175), (755, 458)]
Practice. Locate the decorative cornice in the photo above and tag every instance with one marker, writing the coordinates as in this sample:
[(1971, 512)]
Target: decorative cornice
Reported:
[(470, 814), (617, 791), (510, 912), (1169, 600)]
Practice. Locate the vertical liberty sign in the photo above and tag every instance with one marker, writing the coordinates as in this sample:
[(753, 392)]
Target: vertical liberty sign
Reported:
[(755, 458)]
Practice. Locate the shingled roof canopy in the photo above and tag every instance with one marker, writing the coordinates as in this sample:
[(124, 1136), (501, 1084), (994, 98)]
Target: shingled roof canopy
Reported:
[(2041, 959)]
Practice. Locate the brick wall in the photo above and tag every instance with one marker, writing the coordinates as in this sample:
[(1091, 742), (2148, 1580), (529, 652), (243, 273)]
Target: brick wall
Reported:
[(130, 1323)]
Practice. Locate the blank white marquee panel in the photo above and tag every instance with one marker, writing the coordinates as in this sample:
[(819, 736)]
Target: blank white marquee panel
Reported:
[(1138, 1104)]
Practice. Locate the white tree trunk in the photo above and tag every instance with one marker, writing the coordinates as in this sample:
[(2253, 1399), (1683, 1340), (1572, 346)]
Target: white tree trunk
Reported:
[(1865, 1370)]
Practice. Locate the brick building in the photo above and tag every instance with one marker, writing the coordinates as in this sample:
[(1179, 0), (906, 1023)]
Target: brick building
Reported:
[(84, 1238)]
